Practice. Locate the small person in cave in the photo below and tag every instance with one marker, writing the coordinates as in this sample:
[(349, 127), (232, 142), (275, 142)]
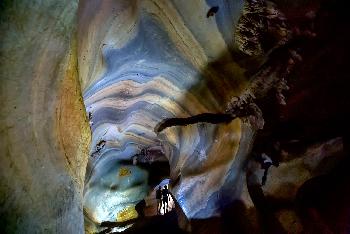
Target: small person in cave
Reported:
[(159, 199), (165, 193)]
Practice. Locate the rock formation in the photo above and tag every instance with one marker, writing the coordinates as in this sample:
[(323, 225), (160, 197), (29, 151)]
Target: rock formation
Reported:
[(241, 104)]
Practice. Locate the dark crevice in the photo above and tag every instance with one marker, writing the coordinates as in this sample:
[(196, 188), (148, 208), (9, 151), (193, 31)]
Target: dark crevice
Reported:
[(201, 118)]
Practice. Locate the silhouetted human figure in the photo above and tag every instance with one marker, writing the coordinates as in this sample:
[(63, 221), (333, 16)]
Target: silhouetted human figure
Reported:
[(159, 199), (165, 193)]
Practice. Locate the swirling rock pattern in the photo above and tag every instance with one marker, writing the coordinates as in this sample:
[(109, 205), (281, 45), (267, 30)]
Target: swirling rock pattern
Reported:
[(145, 70), (152, 63)]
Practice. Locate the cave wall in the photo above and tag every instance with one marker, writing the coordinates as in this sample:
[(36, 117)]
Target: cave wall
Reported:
[(44, 130), (153, 60), (144, 61), (131, 64)]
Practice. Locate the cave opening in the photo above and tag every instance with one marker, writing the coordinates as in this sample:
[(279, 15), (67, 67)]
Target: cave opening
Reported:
[(121, 185)]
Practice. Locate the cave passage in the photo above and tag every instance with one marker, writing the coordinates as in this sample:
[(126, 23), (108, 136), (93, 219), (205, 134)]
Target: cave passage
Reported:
[(238, 107)]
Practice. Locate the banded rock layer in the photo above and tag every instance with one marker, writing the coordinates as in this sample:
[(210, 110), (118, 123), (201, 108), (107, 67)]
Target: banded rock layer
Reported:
[(153, 60), (144, 69)]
